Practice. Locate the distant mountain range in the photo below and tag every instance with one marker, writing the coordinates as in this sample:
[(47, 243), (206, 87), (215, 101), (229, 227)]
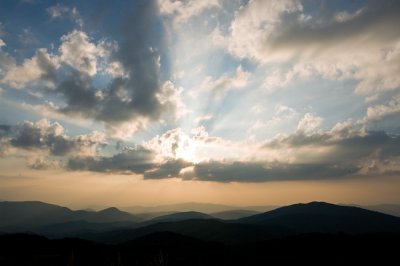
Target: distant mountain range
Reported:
[(112, 225), (39, 217), (194, 206), (314, 217), (153, 211)]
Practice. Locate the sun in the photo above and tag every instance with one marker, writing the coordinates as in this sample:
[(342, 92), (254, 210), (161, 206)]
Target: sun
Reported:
[(186, 150)]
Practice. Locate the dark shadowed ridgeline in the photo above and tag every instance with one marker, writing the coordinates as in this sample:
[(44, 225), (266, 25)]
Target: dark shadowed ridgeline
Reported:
[(179, 216), (233, 214), (166, 248), (316, 233), (325, 218)]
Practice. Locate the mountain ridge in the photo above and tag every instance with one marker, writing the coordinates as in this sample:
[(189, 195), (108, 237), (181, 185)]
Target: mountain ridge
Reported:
[(313, 217)]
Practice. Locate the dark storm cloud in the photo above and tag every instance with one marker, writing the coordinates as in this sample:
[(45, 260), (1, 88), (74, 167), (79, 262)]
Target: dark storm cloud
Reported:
[(133, 95), (171, 168), (44, 136), (262, 172), (346, 149), (136, 160), (79, 95), (41, 136), (141, 162), (374, 23), (139, 54), (376, 147), (347, 157)]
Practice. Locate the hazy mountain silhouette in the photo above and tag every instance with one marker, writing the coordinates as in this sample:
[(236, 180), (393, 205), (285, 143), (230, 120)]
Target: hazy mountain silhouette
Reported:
[(300, 233), (111, 215), (194, 206), (114, 226), (29, 215), (233, 214), (326, 218), (314, 217), (151, 215), (179, 216)]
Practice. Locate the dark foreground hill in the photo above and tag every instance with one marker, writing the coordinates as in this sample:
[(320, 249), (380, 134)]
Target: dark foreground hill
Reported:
[(165, 248), (326, 218), (204, 229)]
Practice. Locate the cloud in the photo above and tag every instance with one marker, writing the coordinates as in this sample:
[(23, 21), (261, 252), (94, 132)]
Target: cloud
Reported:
[(79, 94), (382, 111), (57, 10), (344, 16), (309, 124), (253, 24), (342, 152), (41, 67), (262, 172), (139, 53), (131, 160), (139, 96), (298, 41), (342, 145), (282, 113), (135, 93), (46, 137), (168, 169), (169, 144), (136, 160), (221, 86), (170, 98), (42, 163), (195, 146), (61, 11), (183, 10), (5, 146), (77, 51)]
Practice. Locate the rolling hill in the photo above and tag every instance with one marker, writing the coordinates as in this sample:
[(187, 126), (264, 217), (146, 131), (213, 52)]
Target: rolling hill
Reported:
[(326, 218), (114, 226), (180, 216), (233, 214), (314, 217), (33, 215)]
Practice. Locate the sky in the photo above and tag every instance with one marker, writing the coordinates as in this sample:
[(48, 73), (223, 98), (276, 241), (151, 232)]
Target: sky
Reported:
[(150, 102)]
